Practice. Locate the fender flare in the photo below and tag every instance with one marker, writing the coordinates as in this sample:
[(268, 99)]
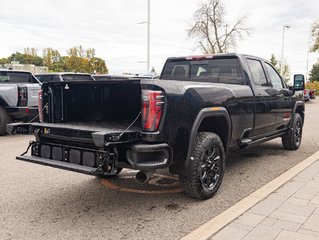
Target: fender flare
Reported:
[(204, 113), (297, 104)]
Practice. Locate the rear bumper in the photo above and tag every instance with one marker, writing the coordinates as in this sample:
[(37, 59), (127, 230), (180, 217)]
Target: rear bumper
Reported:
[(149, 156), (22, 112)]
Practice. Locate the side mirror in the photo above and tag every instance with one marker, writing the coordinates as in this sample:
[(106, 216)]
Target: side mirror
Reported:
[(299, 82)]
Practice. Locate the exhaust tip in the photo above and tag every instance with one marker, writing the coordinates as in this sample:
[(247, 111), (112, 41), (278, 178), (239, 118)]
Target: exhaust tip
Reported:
[(141, 177)]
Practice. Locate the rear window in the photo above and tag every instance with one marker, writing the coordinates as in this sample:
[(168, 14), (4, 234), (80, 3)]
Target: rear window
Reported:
[(218, 70), (76, 77), (14, 77)]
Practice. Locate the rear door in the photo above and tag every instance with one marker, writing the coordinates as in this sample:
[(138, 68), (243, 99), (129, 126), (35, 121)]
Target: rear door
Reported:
[(264, 113)]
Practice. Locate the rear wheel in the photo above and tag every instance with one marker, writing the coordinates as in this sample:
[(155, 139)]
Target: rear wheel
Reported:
[(292, 139), (4, 120), (206, 167)]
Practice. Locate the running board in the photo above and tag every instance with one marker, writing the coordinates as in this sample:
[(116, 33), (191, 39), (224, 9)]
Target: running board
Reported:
[(59, 164), (248, 142)]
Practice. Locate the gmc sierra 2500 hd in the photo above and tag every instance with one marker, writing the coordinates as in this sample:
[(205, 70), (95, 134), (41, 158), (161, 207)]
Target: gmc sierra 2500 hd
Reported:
[(187, 120)]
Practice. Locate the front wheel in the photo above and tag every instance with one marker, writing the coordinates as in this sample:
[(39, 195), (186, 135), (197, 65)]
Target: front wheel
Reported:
[(292, 139), (207, 167)]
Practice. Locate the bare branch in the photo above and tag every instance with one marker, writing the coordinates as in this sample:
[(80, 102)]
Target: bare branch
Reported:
[(210, 29)]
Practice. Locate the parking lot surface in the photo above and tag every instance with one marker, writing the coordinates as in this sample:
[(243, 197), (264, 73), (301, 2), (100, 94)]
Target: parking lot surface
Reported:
[(38, 202)]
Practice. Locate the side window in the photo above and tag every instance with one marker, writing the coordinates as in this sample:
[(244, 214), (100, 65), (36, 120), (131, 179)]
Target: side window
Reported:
[(275, 79), (39, 77), (33, 79), (56, 78), (257, 72), (180, 71), (47, 78)]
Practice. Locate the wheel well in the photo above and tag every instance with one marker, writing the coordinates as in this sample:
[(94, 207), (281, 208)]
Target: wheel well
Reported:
[(218, 125), (301, 111), (2, 103)]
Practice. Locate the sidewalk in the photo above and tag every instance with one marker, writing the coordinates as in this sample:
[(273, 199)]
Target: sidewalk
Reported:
[(290, 212)]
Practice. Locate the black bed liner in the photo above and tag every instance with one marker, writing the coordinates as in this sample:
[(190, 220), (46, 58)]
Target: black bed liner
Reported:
[(93, 126)]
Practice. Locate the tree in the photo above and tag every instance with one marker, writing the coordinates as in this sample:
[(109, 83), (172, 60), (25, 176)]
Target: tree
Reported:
[(4, 61), (50, 57), (60, 65), (274, 61), (314, 73), (98, 66), (28, 57), (315, 36), (31, 56), (81, 60), (210, 29), (77, 60), (285, 68), (17, 57)]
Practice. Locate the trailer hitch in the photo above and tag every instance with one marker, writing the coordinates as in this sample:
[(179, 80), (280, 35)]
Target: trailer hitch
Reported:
[(107, 164)]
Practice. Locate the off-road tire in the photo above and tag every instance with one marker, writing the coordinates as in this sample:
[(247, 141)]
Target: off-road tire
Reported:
[(4, 120), (292, 139), (194, 185)]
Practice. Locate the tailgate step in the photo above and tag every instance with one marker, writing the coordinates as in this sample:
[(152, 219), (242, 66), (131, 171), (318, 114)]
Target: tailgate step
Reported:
[(59, 164)]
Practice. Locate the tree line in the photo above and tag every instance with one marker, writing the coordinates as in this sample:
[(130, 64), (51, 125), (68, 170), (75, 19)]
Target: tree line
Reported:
[(77, 59)]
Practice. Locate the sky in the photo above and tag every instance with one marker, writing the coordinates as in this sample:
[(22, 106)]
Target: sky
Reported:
[(111, 27)]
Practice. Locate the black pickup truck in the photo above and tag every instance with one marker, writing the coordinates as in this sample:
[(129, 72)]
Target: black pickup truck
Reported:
[(187, 120)]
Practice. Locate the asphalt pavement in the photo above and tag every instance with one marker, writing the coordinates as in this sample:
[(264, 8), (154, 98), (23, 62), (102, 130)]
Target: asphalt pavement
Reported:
[(38, 202)]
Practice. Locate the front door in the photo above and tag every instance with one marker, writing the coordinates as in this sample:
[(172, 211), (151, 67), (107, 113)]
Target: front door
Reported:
[(282, 105)]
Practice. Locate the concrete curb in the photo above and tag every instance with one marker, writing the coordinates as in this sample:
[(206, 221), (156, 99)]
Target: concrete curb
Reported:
[(217, 223)]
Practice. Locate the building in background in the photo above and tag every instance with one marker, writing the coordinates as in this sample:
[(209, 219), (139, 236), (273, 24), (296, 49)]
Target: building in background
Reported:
[(14, 65)]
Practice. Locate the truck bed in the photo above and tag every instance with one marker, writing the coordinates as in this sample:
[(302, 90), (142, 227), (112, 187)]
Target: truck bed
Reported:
[(92, 126)]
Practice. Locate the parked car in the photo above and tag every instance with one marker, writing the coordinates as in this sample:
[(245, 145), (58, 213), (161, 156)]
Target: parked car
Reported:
[(312, 94), (64, 77), (309, 94), (306, 94), (187, 121), (18, 97)]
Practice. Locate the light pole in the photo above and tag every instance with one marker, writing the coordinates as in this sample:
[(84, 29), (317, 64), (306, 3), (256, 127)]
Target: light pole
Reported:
[(282, 47), (307, 65), (148, 49), (148, 35)]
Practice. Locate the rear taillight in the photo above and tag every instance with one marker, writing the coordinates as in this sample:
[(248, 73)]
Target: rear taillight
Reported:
[(152, 109), (22, 96), (40, 106), (305, 92)]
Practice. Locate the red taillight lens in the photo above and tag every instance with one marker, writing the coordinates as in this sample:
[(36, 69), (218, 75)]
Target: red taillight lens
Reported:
[(40, 106), (305, 91), (152, 109), (22, 96)]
